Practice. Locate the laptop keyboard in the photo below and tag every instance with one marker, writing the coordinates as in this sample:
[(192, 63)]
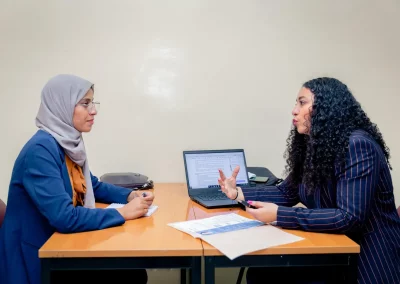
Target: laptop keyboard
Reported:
[(214, 196)]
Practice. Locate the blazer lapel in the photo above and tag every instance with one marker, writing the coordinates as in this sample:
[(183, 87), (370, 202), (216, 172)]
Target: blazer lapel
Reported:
[(64, 170), (66, 179)]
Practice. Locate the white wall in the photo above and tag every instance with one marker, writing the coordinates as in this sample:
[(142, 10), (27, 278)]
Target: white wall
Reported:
[(176, 75)]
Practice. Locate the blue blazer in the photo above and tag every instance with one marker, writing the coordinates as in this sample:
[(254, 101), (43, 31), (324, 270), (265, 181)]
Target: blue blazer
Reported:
[(359, 202), (40, 203)]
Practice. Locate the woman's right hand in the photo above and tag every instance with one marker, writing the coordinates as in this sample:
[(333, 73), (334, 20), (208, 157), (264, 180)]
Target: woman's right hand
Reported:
[(228, 185), (135, 208)]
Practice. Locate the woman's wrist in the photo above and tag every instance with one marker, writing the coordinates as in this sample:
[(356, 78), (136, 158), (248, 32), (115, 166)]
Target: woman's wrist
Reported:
[(131, 196), (240, 195), (237, 193), (122, 212)]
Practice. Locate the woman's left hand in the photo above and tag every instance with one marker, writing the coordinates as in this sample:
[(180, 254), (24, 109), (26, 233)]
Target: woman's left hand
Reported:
[(147, 195), (265, 212)]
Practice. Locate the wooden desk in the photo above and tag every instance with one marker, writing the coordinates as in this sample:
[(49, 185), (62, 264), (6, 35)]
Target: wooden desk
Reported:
[(147, 242), (315, 249)]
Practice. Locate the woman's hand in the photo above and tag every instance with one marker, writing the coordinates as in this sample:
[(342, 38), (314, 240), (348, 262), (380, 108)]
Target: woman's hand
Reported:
[(148, 196), (265, 212), (135, 208), (228, 185)]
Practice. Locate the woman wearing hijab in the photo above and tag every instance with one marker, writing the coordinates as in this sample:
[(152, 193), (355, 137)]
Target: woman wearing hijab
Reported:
[(52, 188)]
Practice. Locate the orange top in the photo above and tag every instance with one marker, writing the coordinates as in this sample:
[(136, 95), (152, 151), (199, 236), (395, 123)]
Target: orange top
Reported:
[(78, 182)]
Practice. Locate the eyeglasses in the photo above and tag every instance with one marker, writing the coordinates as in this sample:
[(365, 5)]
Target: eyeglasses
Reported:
[(90, 105)]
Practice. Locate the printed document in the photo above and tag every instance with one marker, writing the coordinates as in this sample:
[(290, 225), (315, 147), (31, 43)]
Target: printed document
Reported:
[(215, 225), (235, 235)]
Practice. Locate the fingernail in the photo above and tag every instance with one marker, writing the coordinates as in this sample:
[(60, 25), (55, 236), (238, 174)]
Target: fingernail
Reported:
[(250, 202)]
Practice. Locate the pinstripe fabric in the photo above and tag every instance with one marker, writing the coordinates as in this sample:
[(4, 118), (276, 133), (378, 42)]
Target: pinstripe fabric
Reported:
[(358, 203)]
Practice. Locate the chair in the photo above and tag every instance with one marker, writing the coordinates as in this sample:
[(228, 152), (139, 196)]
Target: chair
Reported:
[(2, 211)]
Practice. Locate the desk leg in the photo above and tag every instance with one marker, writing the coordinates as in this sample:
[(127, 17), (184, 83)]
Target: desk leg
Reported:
[(209, 270), (351, 276), (183, 275), (46, 271), (195, 274)]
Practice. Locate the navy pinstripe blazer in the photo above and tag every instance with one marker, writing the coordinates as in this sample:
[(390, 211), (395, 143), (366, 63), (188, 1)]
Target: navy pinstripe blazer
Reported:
[(358, 203)]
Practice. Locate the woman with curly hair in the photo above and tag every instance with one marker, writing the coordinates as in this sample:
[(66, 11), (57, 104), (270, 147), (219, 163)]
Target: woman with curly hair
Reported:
[(338, 167)]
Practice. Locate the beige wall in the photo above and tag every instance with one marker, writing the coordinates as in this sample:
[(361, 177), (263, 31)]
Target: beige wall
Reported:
[(176, 75)]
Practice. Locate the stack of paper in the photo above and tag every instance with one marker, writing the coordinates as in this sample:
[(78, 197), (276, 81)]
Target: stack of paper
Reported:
[(235, 235)]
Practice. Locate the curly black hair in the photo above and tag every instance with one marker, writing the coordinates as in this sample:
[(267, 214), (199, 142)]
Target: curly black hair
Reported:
[(334, 116)]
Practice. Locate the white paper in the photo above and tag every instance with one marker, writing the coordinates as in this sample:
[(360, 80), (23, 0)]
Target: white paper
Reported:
[(215, 225), (236, 243), (152, 208), (251, 175), (239, 235)]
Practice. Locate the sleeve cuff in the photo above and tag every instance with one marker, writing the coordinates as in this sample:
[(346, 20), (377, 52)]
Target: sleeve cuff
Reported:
[(246, 192), (121, 195), (286, 217), (119, 220)]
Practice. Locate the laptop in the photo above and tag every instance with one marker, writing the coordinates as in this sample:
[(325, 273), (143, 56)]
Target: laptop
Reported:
[(202, 175)]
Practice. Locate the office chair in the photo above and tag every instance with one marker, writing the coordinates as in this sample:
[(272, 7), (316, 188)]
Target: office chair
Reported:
[(2, 211)]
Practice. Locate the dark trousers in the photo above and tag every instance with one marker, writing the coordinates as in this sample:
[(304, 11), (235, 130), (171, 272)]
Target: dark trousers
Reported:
[(294, 275), (136, 276)]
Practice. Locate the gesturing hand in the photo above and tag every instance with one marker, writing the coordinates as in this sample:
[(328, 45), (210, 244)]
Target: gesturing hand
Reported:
[(228, 185)]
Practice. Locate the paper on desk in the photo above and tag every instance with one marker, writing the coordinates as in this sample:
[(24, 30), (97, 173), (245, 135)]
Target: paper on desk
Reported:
[(215, 225), (236, 243), (235, 235), (152, 208)]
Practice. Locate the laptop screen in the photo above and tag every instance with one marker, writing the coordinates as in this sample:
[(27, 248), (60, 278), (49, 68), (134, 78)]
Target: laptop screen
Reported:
[(202, 167)]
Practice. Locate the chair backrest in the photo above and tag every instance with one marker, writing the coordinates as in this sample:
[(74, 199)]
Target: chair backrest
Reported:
[(2, 211)]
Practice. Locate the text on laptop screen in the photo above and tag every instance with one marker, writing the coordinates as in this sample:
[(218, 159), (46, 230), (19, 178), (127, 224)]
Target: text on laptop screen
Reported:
[(202, 168)]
